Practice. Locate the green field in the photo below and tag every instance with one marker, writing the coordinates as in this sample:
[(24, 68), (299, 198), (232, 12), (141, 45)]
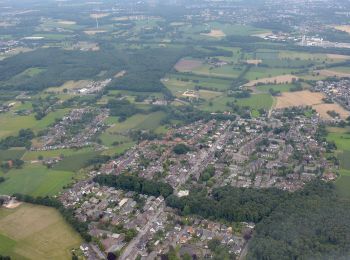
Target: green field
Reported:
[(256, 101), (75, 162), (342, 140), (36, 232), (11, 123), (261, 72), (278, 87), (36, 180), (11, 154)]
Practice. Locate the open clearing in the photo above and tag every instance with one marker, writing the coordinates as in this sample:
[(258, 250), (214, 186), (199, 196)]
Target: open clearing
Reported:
[(36, 232), (254, 62), (284, 79), (99, 16), (187, 65), (215, 34), (308, 98)]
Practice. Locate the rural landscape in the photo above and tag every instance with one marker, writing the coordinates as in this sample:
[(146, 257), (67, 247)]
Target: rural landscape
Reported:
[(175, 129)]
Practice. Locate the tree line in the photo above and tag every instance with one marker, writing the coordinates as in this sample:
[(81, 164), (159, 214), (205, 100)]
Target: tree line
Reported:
[(135, 183)]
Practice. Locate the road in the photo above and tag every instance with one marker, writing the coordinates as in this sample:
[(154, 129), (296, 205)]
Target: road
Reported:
[(132, 245)]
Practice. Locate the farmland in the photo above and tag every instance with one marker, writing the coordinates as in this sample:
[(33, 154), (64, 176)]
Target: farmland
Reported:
[(35, 232), (36, 180)]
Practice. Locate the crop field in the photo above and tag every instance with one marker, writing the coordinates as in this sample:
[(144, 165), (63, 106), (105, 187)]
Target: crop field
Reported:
[(36, 180), (299, 98), (215, 34), (264, 73), (314, 99), (187, 65), (36, 232), (334, 73), (322, 109), (226, 71)]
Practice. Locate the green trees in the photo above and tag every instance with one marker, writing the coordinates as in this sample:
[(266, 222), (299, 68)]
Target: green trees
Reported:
[(181, 149), (137, 184), (23, 139)]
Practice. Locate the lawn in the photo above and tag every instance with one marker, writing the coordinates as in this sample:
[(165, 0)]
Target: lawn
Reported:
[(36, 180), (342, 140), (33, 155), (36, 232), (256, 101)]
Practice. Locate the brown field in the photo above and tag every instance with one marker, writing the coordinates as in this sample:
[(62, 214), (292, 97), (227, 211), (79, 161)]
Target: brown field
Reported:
[(215, 34), (93, 32), (283, 79), (98, 16), (71, 84), (67, 22), (308, 98), (331, 73), (344, 28), (338, 56), (187, 65), (254, 62), (299, 98), (322, 109), (120, 74)]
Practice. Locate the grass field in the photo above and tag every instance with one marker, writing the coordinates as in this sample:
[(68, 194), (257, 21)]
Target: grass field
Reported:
[(341, 138), (278, 87), (11, 123), (33, 155), (256, 101), (11, 154), (36, 180), (36, 232), (75, 162)]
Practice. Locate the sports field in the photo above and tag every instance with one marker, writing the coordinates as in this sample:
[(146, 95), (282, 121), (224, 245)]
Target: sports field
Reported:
[(36, 232)]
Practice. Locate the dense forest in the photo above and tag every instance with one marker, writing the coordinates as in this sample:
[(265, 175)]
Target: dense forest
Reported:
[(288, 224), (137, 184)]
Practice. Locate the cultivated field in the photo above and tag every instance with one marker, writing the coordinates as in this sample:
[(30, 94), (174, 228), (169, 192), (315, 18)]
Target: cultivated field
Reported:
[(333, 73), (284, 79), (307, 98), (187, 65), (344, 28), (215, 34), (36, 232)]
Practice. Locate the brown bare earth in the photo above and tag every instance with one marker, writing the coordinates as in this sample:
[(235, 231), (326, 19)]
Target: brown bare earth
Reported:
[(344, 28), (254, 62), (187, 65), (283, 79), (215, 34), (98, 16), (67, 22), (313, 99), (331, 73), (299, 98), (322, 109), (338, 57), (93, 32), (120, 74)]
